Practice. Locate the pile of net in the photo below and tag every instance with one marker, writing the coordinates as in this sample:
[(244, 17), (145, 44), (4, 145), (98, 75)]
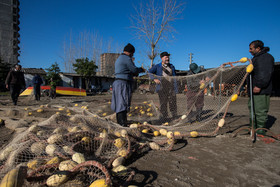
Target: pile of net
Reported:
[(89, 148), (77, 150)]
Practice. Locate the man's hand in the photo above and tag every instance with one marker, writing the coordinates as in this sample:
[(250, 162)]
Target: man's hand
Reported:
[(256, 90), (157, 81), (144, 70), (201, 81), (7, 86)]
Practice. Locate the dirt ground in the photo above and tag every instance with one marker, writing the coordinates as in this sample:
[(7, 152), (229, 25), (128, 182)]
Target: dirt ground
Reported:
[(216, 161)]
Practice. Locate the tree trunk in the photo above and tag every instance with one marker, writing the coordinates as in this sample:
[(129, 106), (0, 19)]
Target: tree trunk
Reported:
[(87, 81), (152, 56)]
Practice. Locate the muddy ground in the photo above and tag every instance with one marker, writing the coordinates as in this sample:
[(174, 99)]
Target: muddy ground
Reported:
[(214, 161)]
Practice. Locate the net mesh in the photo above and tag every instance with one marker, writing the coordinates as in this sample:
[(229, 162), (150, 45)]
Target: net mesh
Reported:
[(78, 146)]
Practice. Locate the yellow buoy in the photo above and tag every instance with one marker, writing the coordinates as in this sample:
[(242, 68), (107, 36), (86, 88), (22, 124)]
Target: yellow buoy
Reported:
[(156, 133), (145, 130), (194, 134), (243, 60), (202, 85), (249, 68), (234, 97), (177, 133), (86, 139), (99, 183)]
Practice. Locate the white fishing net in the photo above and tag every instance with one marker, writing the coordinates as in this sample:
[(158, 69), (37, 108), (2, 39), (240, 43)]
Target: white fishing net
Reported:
[(79, 146)]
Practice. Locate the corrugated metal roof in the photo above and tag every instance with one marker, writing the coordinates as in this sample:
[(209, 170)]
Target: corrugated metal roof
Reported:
[(34, 71), (77, 75)]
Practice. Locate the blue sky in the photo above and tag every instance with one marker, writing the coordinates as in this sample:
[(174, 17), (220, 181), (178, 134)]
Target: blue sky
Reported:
[(215, 31)]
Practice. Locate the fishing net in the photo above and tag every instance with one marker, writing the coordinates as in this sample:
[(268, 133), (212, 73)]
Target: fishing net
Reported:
[(189, 103), (78, 146)]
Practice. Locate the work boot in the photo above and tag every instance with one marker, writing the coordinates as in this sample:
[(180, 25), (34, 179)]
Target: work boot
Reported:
[(198, 114), (122, 118), (261, 132)]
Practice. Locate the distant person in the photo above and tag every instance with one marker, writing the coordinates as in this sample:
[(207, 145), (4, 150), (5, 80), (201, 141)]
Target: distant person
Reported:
[(15, 82), (37, 81), (261, 83), (52, 89), (122, 86), (166, 87), (93, 88), (195, 96)]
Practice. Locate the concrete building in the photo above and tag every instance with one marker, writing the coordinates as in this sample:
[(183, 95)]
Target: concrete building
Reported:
[(9, 31), (29, 73), (107, 64), (76, 81)]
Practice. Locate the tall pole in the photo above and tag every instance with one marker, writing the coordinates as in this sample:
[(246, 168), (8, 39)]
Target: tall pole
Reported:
[(191, 57)]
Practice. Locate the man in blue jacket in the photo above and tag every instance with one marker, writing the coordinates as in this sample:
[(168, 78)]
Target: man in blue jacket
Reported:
[(165, 85), (122, 86), (37, 81), (261, 83)]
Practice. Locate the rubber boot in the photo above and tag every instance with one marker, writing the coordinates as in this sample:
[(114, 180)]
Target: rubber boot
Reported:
[(261, 131), (122, 118), (198, 114)]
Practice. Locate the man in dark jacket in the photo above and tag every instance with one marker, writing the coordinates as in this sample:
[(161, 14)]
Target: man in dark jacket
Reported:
[(15, 82), (261, 83), (37, 81), (122, 86), (166, 87)]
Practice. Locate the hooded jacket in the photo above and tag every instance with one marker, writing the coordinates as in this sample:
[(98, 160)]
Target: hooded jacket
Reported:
[(262, 73), (15, 77)]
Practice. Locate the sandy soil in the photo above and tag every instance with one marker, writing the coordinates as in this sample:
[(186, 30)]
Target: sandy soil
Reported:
[(216, 161)]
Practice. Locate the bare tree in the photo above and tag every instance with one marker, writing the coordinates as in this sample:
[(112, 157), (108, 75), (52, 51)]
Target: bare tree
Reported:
[(85, 45), (152, 22)]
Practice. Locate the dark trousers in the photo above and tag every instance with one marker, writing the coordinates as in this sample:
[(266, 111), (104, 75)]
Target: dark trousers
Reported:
[(167, 96), (15, 91), (260, 110), (195, 99), (37, 91), (53, 93)]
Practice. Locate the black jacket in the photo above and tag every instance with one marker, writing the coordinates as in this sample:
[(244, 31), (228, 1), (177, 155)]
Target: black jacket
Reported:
[(262, 73), (15, 77)]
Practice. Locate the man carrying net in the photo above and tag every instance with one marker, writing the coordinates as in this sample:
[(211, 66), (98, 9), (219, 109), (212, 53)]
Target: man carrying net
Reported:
[(195, 94), (261, 84), (165, 85), (122, 86)]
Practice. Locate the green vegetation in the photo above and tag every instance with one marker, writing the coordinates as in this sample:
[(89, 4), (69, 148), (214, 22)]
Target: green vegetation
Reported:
[(53, 73), (85, 68)]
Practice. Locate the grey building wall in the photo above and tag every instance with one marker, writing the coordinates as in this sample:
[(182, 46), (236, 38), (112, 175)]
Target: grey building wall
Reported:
[(107, 64), (9, 31)]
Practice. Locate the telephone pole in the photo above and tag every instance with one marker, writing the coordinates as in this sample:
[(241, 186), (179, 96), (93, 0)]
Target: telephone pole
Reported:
[(191, 56)]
